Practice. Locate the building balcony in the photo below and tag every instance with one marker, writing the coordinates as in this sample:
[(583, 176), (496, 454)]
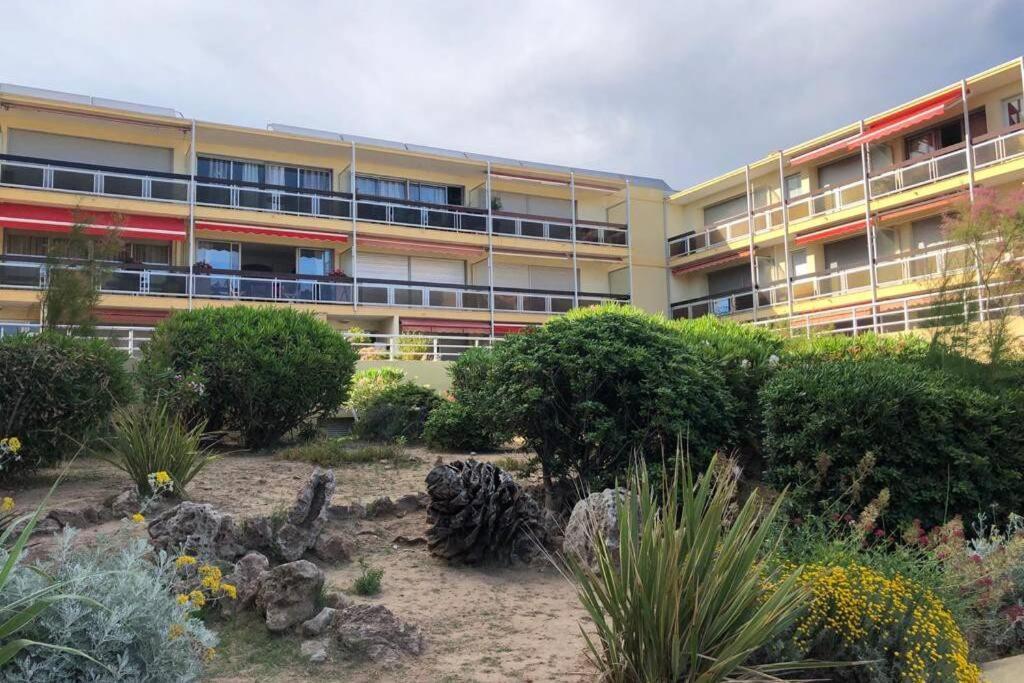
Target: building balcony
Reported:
[(176, 281), (63, 176)]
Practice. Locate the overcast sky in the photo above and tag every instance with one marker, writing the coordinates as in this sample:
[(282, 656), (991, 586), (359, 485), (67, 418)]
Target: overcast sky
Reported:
[(678, 90)]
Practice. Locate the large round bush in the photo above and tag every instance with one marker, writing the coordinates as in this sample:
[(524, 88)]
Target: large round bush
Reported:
[(264, 371), (55, 392), (398, 412), (941, 446), (592, 389), (471, 421)]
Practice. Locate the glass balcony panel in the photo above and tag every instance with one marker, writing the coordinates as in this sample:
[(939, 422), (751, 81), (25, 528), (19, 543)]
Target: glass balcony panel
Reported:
[(532, 229), (440, 219), (297, 290), (504, 226), (743, 302), (474, 300), (443, 298), (120, 185), (168, 283), (373, 294), (923, 267), (858, 279), (408, 297), (296, 203), (588, 234), (506, 302), (252, 288), (12, 174), (615, 237), (474, 222), (339, 208), (75, 181), (408, 215), (699, 309), (562, 304), (19, 275), (560, 231), (803, 290), (884, 184), (371, 212), (888, 273), (170, 190), (123, 281), (214, 286), (334, 292), (213, 194), (951, 165), (535, 304)]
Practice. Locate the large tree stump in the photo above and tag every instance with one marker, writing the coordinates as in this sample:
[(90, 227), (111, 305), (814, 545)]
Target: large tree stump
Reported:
[(479, 513)]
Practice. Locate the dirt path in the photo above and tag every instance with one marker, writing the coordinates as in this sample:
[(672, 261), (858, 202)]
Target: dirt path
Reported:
[(480, 624)]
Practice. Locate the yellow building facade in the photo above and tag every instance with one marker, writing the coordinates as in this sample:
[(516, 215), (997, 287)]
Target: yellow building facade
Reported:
[(459, 248)]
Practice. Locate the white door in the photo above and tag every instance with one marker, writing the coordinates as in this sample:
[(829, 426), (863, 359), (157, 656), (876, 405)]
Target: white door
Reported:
[(383, 267), (438, 270)]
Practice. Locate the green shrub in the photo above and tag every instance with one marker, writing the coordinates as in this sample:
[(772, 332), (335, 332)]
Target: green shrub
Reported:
[(56, 392), (413, 347), (131, 624), (940, 446), (589, 389), (369, 383), (369, 580), (689, 592), (340, 452), (746, 355), (147, 439), (472, 421), (397, 413), (865, 346), (265, 370)]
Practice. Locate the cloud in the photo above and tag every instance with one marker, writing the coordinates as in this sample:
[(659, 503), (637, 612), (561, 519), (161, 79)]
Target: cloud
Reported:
[(679, 91)]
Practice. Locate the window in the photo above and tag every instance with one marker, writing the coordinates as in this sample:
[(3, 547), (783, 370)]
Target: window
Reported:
[(26, 245), (270, 174), (723, 211), (148, 253), (21, 244), (881, 157), (800, 265), (794, 185), (944, 135), (841, 172), (887, 242), (1012, 111), (398, 188), (314, 261), (220, 255)]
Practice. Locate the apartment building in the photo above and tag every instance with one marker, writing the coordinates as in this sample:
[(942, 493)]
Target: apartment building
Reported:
[(839, 233), (843, 232)]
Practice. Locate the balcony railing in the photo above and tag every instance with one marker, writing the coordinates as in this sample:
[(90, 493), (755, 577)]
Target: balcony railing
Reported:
[(66, 176), (717, 234), (420, 215), (23, 273), (944, 163), (826, 201), (726, 303), (273, 198), (998, 147), (543, 227)]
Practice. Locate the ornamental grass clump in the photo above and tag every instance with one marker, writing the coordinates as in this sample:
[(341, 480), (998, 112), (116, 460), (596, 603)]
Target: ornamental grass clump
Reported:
[(694, 594)]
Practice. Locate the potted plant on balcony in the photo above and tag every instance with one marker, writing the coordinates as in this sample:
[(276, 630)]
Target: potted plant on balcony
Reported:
[(202, 268), (338, 275)]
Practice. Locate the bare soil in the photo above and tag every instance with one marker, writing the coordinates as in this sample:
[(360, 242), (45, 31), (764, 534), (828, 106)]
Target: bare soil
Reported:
[(480, 624)]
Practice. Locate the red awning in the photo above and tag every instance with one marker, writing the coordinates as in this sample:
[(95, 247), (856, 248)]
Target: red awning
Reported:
[(417, 246), (888, 125), (922, 208), (830, 233), (508, 328), (54, 219), (438, 326), (712, 262), (272, 232), (131, 316)]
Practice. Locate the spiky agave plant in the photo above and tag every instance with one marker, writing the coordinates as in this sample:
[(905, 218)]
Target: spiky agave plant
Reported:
[(694, 593)]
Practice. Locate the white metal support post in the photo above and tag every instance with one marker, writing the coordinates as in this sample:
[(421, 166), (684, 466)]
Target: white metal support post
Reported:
[(192, 171), (575, 273), (785, 234), (750, 234), (969, 151), (352, 212), (869, 230), (629, 238), (490, 246)]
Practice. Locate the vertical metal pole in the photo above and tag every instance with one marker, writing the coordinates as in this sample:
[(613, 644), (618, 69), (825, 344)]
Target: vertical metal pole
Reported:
[(968, 148), (629, 238), (750, 234), (785, 233), (668, 270), (865, 161), (192, 171), (352, 211), (575, 273), (490, 247)]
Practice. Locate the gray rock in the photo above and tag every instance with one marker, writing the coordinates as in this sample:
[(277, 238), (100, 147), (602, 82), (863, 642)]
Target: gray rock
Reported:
[(196, 529), (381, 507), (375, 632), (314, 650), (306, 517), (597, 514), (288, 594), (412, 502), (68, 518), (247, 578), (124, 504), (353, 511), (255, 533), (337, 600), (334, 546), (320, 623)]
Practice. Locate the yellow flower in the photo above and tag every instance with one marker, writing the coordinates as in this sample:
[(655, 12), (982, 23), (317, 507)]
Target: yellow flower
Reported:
[(197, 598), (138, 518), (182, 599), (211, 583), (162, 478), (7, 505), (229, 590), (176, 631), (210, 571), (14, 444), (210, 654), (184, 560)]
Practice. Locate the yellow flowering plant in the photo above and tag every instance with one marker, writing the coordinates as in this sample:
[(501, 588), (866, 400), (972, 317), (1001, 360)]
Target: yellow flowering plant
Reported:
[(201, 584)]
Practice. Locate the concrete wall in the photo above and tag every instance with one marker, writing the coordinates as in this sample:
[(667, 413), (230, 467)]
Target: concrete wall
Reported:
[(424, 372)]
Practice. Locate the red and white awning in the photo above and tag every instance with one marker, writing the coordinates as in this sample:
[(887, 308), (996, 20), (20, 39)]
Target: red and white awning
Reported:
[(830, 233), (712, 262), (55, 219), (442, 326), (272, 232)]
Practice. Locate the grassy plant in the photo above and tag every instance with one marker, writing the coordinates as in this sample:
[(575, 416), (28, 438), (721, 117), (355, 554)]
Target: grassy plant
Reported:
[(369, 580), (148, 439), (369, 383), (340, 452), (694, 593)]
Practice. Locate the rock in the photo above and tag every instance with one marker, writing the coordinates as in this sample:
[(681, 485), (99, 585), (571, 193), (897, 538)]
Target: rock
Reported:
[(68, 518), (288, 594), (335, 547), (375, 632), (408, 542), (306, 517), (595, 514), (337, 600), (255, 533), (124, 504), (247, 578), (314, 650), (340, 512), (380, 507), (412, 502), (196, 529), (320, 623)]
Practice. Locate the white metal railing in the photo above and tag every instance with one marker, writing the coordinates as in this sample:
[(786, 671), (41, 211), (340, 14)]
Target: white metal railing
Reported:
[(123, 338), (717, 234), (392, 347), (929, 170), (439, 217), (998, 149), (81, 179), (826, 201), (274, 199), (718, 304), (542, 227)]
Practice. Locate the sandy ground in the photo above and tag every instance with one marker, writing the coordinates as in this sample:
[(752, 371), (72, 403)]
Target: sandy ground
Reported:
[(480, 624)]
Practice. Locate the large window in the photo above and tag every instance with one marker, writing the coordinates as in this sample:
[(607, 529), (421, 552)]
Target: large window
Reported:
[(295, 177), (398, 188), (23, 244), (1012, 111), (944, 135), (220, 255)]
